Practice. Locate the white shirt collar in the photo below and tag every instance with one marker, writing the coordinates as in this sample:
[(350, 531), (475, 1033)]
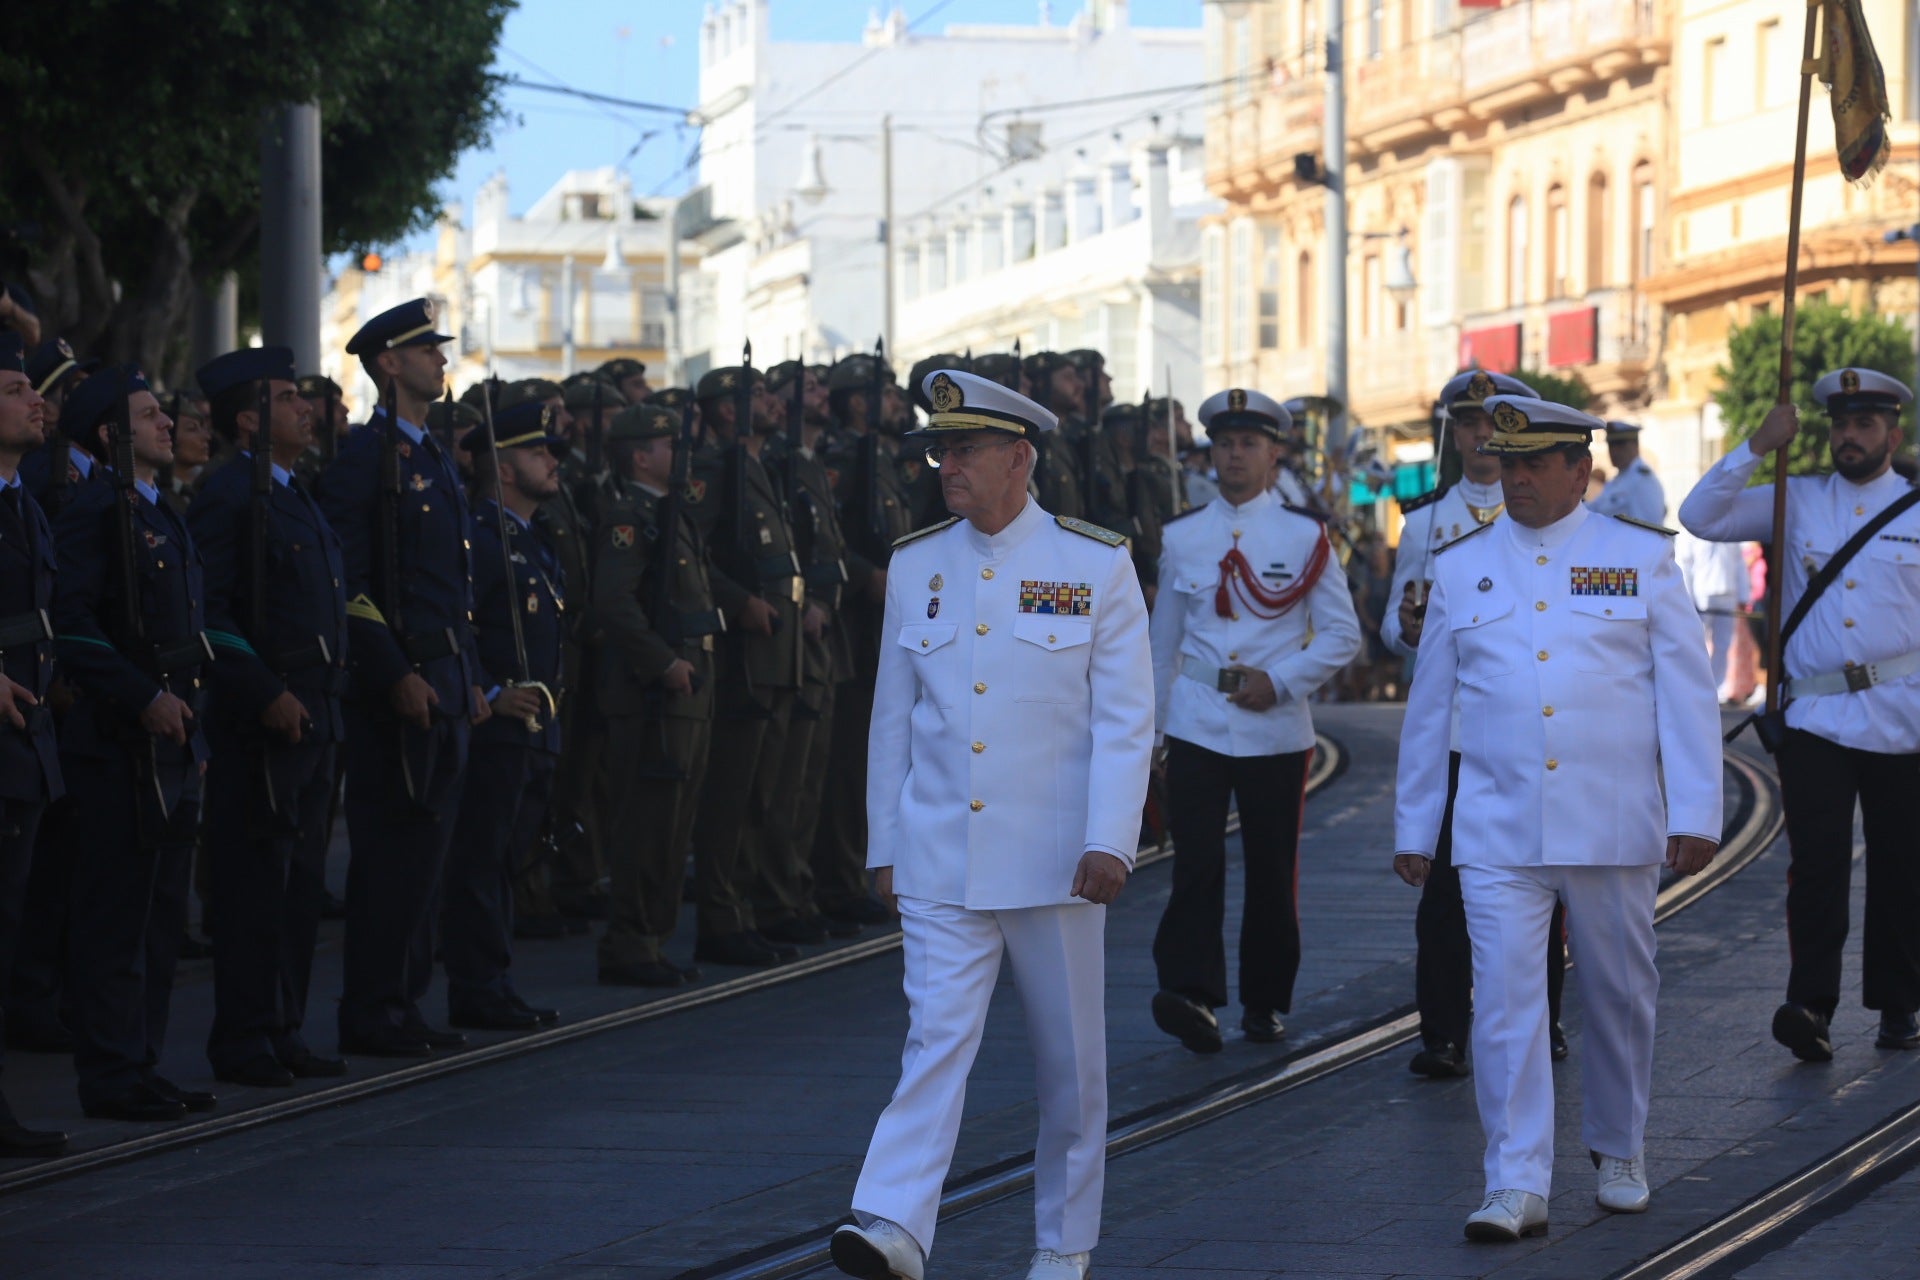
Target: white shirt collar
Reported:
[(82, 461), (1031, 517), (1481, 495), (1554, 535), (1264, 498)]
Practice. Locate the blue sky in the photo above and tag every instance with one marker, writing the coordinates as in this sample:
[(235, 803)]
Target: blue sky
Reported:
[(650, 50)]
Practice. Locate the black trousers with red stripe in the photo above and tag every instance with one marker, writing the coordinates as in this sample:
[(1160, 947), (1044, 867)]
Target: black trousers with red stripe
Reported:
[(1190, 950)]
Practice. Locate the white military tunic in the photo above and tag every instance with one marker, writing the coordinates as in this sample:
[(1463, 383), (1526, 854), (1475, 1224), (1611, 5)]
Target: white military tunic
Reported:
[(1299, 651), (1581, 673), (1635, 491), (1464, 507), (1871, 614), (1012, 732)]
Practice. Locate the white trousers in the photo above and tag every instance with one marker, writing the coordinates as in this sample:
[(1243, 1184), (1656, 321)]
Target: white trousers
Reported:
[(952, 961), (1610, 928)]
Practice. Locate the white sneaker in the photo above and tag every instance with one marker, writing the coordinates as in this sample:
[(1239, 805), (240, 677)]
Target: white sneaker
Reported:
[(1623, 1183), (1507, 1215), (1048, 1265), (881, 1251)]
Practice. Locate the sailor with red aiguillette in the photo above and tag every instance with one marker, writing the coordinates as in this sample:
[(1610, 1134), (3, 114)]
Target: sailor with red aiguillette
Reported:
[(1253, 615)]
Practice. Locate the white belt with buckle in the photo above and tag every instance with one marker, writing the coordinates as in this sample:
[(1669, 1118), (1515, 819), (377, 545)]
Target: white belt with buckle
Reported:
[(1855, 677), (1203, 672)]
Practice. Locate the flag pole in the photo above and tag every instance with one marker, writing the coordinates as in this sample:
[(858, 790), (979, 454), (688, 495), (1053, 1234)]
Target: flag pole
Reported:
[(1776, 565)]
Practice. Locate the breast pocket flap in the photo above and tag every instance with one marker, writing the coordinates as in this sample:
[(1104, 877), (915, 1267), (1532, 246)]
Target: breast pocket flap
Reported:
[(1480, 609), (926, 637), (1611, 608), (1051, 632)]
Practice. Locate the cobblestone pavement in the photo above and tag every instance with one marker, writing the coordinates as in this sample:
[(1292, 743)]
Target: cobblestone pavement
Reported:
[(646, 1152)]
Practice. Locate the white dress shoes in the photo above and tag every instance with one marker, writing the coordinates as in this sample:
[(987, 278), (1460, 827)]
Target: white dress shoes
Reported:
[(881, 1250), (1048, 1265), (1623, 1183), (1507, 1215)]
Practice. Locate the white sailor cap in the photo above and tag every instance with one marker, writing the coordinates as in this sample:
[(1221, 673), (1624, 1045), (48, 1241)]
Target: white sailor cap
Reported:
[(1469, 388), (1238, 407), (1528, 424), (968, 402), (1846, 389)]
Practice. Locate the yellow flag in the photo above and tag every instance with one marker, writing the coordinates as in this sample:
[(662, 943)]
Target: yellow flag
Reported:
[(1858, 89)]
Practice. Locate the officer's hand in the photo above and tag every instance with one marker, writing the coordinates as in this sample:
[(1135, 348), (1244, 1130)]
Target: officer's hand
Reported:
[(11, 697), (518, 703), (678, 677), (1412, 867), (1777, 429), (1257, 694), (166, 717), (1413, 614), (1689, 854), (479, 712), (284, 716), (1098, 877), (813, 621), (758, 616), (883, 888), (413, 700)]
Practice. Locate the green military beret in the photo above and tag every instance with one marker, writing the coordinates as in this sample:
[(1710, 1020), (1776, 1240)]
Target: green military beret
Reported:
[(674, 398), (781, 375), (1086, 359), (1000, 367), (579, 392), (478, 392), (1042, 364), (857, 373), (620, 368), (718, 384), (646, 421), (530, 389), (456, 417), (318, 386)]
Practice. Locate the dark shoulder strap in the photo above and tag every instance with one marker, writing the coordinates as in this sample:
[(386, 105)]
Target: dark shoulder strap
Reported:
[(1831, 570)]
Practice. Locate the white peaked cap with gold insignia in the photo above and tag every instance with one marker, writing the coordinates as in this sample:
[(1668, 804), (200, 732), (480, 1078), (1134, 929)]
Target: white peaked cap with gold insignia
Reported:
[(1846, 389), (966, 402), (1471, 388), (1527, 424), (1239, 407)]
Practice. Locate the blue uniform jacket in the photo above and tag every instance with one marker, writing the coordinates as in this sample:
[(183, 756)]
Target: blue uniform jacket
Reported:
[(36, 470), (29, 758), (302, 645), (435, 587), (538, 591), (115, 674)]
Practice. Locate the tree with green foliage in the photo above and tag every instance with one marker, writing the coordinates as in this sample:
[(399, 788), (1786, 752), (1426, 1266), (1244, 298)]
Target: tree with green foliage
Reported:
[(1826, 336), (1570, 389), (130, 159)]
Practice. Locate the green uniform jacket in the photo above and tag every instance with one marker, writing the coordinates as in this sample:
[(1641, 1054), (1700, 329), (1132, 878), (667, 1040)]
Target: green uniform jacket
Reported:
[(640, 638)]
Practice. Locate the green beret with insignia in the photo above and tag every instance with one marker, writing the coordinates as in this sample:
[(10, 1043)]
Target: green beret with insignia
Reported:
[(999, 366), (719, 384), (318, 386), (620, 368), (780, 376), (531, 389), (579, 392), (674, 398), (644, 421)]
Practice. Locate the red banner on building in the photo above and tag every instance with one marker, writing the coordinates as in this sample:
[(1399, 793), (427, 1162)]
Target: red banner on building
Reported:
[(1495, 348), (1573, 337)]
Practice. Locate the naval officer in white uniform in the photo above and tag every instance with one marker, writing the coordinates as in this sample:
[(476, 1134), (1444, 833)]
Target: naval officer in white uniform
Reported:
[(1634, 490), (1443, 959), (1007, 768), (1581, 672), (1253, 615), (1853, 710)]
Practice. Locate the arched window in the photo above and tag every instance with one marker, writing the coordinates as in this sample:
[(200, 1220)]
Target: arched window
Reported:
[(1303, 298), (1517, 251), (1597, 244), (1559, 242)]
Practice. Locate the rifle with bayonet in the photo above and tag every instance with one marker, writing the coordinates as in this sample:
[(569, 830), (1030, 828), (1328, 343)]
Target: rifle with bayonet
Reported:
[(127, 551), (389, 583), (260, 499)]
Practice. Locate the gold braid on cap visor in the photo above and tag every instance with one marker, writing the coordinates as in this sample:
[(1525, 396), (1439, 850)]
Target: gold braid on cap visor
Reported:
[(975, 422), (1533, 441)]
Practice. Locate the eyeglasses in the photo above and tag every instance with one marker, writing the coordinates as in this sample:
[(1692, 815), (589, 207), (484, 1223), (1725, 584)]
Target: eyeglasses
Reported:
[(962, 453)]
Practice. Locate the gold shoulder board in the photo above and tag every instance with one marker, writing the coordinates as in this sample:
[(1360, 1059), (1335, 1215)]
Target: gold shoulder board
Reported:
[(1479, 528), (917, 534), (1094, 531), (1655, 528)]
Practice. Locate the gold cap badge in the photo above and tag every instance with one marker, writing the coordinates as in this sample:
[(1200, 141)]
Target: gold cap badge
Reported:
[(1480, 386), (946, 396), (1849, 381), (1236, 400), (1510, 420)]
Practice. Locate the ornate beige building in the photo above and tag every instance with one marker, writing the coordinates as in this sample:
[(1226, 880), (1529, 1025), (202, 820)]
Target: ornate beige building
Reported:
[(1590, 187)]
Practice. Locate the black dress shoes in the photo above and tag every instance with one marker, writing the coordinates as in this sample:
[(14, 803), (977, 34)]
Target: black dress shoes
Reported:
[(18, 1140), (1557, 1042), (261, 1072), (743, 950), (545, 1017), (1803, 1031), (434, 1036), (1262, 1026), (646, 973), (386, 1042), (1187, 1020), (137, 1103), (782, 950), (799, 930), (191, 1099), (1898, 1030), (311, 1066), (491, 1015), (1443, 1061)]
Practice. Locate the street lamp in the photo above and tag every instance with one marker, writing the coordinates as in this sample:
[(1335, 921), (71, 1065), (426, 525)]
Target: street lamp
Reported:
[(1895, 236)]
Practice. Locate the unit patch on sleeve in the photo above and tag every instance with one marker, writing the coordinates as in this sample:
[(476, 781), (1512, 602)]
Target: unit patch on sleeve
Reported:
[(1604, 582), (1062, 599)]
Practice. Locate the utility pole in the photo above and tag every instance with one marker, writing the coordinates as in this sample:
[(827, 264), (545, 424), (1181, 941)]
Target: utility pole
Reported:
[(1334, 149), (673, 337), (290, 231), (886, 226)]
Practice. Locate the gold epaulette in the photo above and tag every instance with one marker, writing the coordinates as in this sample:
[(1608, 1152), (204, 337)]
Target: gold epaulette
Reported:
[(917, 534), (1479, 528), (1094, 531), (1652, 528)]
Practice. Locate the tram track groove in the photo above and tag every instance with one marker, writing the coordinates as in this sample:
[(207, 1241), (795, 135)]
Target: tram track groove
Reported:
[(1757, 823)]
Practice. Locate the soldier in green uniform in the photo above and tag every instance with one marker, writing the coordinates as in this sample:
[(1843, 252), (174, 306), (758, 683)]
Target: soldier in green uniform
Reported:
[(1165, 477), (1055, 384), (628, 377), (654, 605), (756, 579), (592, 401)]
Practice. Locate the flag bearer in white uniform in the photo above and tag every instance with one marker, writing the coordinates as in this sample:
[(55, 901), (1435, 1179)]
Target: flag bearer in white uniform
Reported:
[(1007, 766), (1443, 960), (1853, 709), (1253, 615), (1581, 673)]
